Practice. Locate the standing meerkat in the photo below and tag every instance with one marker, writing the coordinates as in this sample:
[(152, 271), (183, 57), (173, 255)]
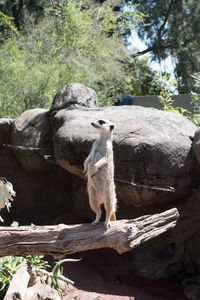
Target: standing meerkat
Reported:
[(99, 168)]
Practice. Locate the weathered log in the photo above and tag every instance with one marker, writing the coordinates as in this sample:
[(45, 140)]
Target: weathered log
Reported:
[(19, 284), (26, 285), (60, 240)]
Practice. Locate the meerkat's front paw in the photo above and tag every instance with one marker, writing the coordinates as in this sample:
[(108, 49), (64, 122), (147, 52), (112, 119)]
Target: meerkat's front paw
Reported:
[(94, 171), (93, 175)]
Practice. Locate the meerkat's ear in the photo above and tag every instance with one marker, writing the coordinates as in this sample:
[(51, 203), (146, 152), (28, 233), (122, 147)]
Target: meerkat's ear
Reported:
[(111, 127)]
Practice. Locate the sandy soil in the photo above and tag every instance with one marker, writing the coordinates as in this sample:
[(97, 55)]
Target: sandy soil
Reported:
[(105, 275)]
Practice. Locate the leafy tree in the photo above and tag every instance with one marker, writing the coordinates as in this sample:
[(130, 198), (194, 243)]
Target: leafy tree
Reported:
[(6, 26), (19, 9), (141, 79), (70, 44), (174, 31)]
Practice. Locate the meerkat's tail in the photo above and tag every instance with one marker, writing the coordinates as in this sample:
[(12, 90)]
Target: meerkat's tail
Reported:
[(113, 217)]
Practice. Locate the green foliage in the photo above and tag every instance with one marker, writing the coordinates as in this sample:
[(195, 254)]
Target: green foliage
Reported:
[(20, 10), (70, 44), (196, 78), (122, 22), (37, 261), (57, 274), (14, 224), (141, 79), (10, 264), (6, 20), (166, 100), (174, 31), (196, 99), (26, 79), (73, 42), (8, 267)]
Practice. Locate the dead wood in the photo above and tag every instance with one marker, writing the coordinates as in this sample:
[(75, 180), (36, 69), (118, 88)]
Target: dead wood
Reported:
[(26, 285), (19, 284), (60, 240)]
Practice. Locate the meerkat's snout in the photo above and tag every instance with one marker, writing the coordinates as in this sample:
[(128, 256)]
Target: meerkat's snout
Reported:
[(103, 125), (95, 125)]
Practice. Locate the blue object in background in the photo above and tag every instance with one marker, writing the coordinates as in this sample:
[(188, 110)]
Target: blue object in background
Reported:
[(125, 99), (191, 137)]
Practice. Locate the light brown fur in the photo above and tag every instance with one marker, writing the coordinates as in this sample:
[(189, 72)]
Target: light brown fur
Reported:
[(99, 167)]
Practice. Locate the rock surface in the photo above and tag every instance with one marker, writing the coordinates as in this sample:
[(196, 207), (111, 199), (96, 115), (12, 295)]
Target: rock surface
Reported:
[(151, 147), (31, 133), (196, 145), (75, 93), (5, 128)]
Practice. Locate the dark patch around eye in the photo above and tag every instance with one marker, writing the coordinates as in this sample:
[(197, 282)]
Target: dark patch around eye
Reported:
[(101, 122)]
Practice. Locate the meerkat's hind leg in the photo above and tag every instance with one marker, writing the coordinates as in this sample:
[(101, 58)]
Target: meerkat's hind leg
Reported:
[(96, 207), (113, 217), (98, 217), (107, 221), (109, 215)]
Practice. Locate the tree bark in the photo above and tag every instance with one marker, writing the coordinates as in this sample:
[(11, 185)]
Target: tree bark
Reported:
[(60, 240)]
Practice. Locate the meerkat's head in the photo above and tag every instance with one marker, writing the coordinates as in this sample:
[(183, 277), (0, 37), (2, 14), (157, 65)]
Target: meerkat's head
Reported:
[(104, 126)]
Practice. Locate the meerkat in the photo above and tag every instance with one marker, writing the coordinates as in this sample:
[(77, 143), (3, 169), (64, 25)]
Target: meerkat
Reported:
[(99, 168)]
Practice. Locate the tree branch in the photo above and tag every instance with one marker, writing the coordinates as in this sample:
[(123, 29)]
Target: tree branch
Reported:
[(159, 35), (149, 50), (142, 52), (166, 19), (60, 240)]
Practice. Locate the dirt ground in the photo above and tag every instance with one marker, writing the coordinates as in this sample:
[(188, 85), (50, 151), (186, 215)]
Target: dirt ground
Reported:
[(105, 275)]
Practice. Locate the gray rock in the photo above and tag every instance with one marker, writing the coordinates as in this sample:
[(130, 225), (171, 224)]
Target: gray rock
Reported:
[(151, 147), (196, 145), (192, 292), (31, 138), (5, 129), (75, 94)]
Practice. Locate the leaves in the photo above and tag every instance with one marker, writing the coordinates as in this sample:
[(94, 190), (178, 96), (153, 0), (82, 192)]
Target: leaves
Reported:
[(6, 20), (174, 31), (74, 42), (57, 274)]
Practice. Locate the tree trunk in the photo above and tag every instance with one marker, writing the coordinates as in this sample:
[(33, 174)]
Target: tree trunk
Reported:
[(60, 240)]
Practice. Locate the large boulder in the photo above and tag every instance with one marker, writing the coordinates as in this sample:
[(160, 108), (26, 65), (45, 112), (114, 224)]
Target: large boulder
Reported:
[(75, 94), (5, 129), (31, 139), (151, 147), (196, 145)]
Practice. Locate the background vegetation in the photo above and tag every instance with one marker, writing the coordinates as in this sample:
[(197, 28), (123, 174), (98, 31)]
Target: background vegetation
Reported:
[(45, 45)]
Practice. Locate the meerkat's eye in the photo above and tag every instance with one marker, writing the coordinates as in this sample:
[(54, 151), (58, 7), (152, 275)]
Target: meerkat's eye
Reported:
[(101, 122)]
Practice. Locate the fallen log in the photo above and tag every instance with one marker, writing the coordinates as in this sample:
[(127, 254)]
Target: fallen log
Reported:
[(60, 240)]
